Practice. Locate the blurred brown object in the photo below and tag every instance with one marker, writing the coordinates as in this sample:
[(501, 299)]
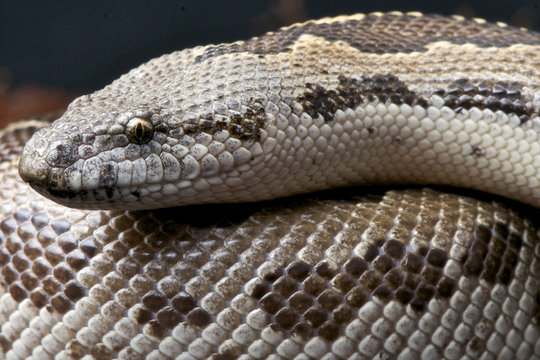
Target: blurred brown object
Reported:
[(280, 13), (27, 101)]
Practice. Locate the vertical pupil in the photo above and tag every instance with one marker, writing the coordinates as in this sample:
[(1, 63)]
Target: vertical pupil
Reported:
[(139, 131)]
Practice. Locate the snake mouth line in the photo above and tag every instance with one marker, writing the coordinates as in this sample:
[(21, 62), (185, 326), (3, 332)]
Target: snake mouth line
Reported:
[(80, 198)]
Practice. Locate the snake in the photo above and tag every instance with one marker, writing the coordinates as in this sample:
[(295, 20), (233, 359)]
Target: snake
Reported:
[(186, 210)]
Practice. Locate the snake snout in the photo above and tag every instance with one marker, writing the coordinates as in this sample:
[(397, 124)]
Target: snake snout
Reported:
[(41, 162), (33, 169)]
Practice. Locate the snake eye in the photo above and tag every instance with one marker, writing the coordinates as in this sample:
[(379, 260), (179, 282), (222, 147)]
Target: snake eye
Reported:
[(139, 130)]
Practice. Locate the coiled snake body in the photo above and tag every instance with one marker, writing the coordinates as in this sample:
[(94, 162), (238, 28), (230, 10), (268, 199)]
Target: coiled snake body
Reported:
[(379, 98)]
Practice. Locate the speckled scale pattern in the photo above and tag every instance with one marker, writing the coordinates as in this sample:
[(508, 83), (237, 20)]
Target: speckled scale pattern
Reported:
[(375, 33), (331, 102), (402, 274)]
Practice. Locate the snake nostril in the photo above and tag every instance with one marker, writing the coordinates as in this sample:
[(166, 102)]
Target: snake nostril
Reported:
[(60, 154)]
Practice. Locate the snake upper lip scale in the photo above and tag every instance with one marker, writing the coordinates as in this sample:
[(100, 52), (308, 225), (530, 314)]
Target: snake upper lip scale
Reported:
[(380, 98)]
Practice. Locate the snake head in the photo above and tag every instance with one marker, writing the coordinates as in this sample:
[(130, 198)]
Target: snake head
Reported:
[(127, 148), (83, 165), (138, 159)]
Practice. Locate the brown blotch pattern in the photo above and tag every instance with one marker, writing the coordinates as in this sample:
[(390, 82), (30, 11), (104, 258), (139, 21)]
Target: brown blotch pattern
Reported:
[(461, 94), (494, 254), (243, 126), (377, 35), (315, 300), (351, 92), (39, 259), (506, 97)]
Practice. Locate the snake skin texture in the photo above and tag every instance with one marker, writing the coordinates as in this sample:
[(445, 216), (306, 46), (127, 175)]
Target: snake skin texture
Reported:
[(380, 98), (407, 274), (362, 99)]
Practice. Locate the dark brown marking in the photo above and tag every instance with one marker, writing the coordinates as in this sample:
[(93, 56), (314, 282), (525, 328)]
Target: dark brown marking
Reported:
[(74, 291), (329, 299), (343, 314), (431, 275), (272, 302), (9, 274), (8, 226), (299, 270), (412, 280), (303, 331), (329, 331), (424, 293), (4, 256), (63, 273), (351, 92), (446, 287), (389, 33), (477, 253), (226, 355), (356, 266), (40, 268), (273, 275), (260, 290), (198, 317), (370, 279), (324, 270), (383, 264), (39, 298), (17, 292), (20, 262), (285, 286), (154, 300), (314, 285), (5, 344), (413, 263), (404, 295), (50, 285), (286, 318), (383, 292), (394, 278), (29, 280), (60, 303), (75, 349), (343, 282), (463, 94), (437, 257), (77, 260), (477, 151), (54, 254), (183, 303), (394, 248), (168, 317), (89, 247), (142, 315), (357, 297), (243, 126), (155, 329), (300, 302), (100, 351), (316, 316), (506, 97)]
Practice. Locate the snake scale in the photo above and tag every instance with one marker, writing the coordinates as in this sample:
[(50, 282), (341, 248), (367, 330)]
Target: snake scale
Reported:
[(347, 274)]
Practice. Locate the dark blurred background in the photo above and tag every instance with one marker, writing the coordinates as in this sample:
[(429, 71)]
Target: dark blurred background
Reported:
[(80, 46)]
